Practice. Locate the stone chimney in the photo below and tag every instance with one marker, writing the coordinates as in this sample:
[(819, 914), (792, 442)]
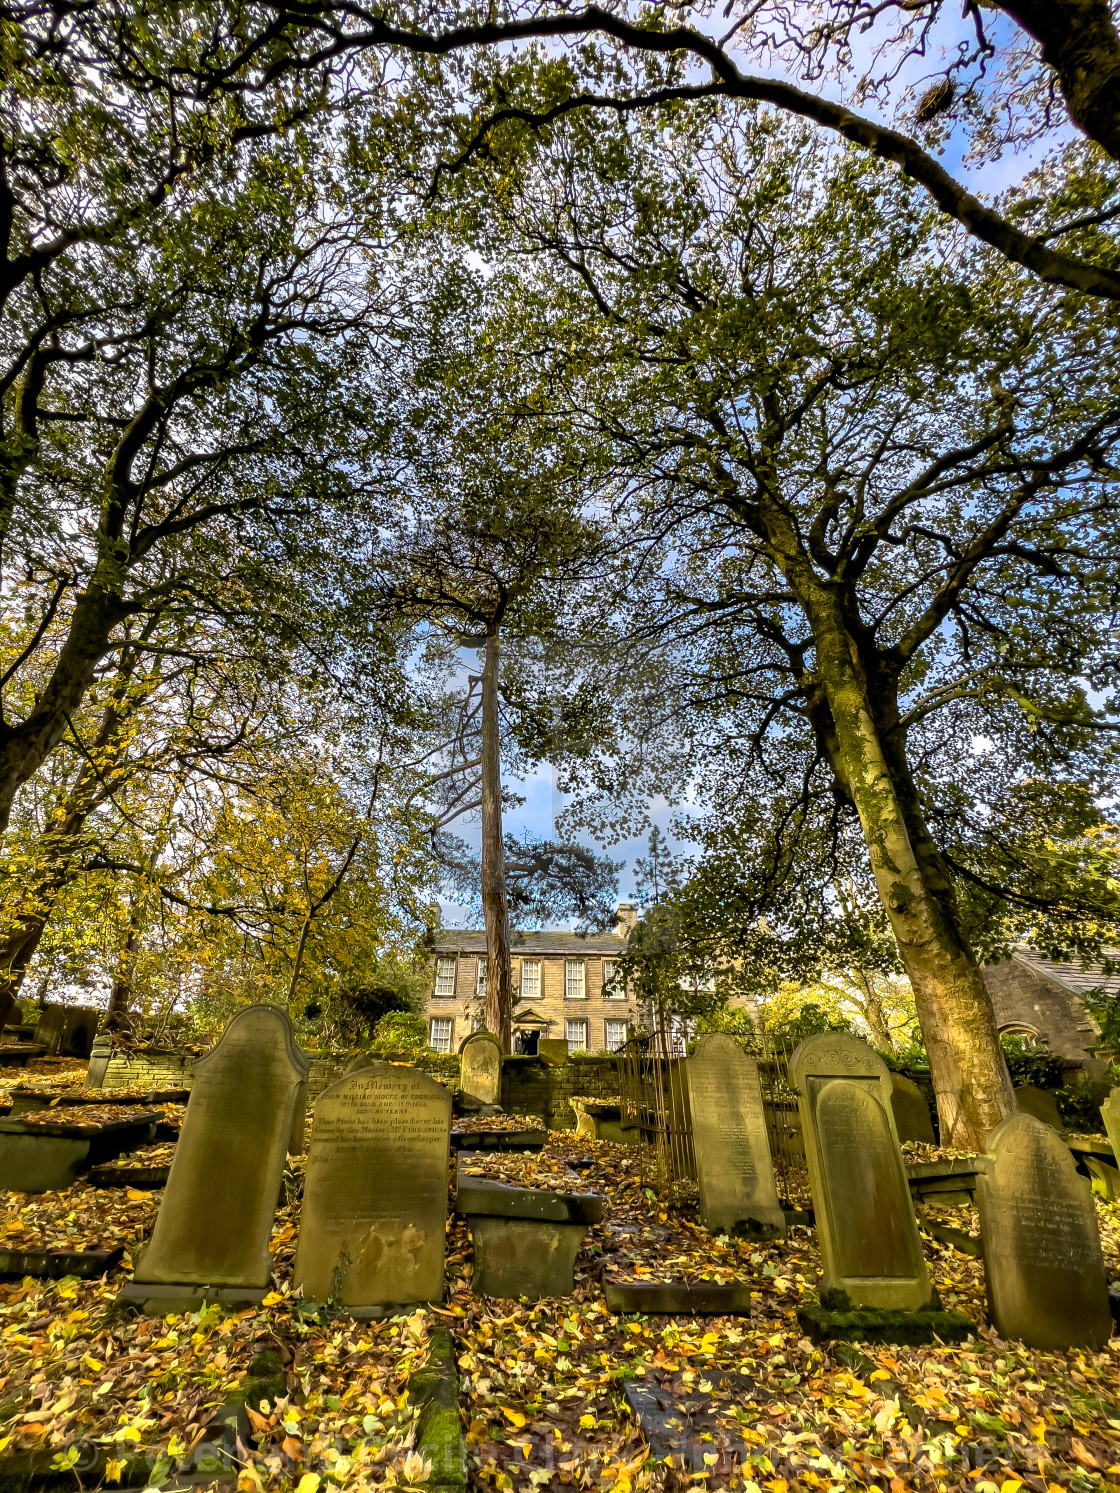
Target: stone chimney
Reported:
[(625, 919)]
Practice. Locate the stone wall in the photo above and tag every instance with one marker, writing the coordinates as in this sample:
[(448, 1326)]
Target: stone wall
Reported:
[(168, 1069), (1024, 997), (531, 1087)]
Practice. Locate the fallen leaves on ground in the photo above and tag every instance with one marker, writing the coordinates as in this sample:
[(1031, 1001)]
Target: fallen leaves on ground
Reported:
[(748, 1402)]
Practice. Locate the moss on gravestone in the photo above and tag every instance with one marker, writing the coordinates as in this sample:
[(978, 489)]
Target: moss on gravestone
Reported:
[(825, 1323), (264, 1380), (434, 1390)]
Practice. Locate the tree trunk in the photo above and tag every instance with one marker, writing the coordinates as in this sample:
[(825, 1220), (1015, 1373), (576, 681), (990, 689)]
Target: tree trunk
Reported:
[(954, 1008), (495, 904), (873, 1012), (1080, 42), (24, 748), (120, 996)]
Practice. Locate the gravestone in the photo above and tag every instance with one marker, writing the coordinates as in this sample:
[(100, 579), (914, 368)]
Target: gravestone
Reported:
[(68, 1031), (730, 1144), (480, 1059), (553, 1051), (210, 1240), (911, 1112), (99, 1056), (371, 1236), (1042, 1252), (1110, 1114), (1040, 1103), (865, 1219)]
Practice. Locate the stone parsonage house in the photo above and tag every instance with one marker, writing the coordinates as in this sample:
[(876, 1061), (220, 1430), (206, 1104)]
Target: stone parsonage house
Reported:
[(558, 981)]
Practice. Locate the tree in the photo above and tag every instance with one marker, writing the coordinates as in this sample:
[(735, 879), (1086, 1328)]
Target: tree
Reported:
[(886, 478), (547, 881)]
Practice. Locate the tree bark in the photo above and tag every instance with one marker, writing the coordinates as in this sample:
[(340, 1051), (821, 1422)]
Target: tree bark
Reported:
[(1080, 42), (495, 903), (120, 996), (954, 1008)]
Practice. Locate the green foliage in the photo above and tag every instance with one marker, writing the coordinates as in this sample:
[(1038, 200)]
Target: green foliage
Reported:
[(809, 1021), (1030, 1064), (401, 1034)]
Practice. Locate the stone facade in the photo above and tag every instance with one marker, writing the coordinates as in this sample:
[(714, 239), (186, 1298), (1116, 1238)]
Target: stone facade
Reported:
[(558, 980), (1041, 999)]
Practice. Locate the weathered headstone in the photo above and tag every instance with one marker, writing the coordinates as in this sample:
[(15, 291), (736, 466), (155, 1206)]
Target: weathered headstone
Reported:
[(1110, 1114), (911, 1112), (375, 1199), (210, 1240), (1040, 1103), (68, 1031), (1042, 1252), (553, 1051), (480, 1059), (100, 1054), (865, 1219), (730, 1144)]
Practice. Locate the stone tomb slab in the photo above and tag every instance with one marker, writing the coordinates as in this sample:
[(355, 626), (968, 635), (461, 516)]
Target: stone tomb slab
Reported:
[(480, 1069), (1042, 1252), (912, 1118), (1041, 1104), (525, 1239), (210, 1240), (679, 1297), (48, 1157), (730, 1143), (865, 1219), (374, 1216)]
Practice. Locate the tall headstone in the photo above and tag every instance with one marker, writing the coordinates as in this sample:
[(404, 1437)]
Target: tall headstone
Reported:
[(375, 1198), (214, 1222), (865, 1219), (1040, 1103), (732, 1150), (480, 1059), (1110, 1114), (1042, 1252), (911, 1112)]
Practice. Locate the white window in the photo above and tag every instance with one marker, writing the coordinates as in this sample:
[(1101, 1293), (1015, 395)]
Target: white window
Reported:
[(445, 979), (615, 1035), (576, 1033), (611, 992), (680, 1033), (575, 983), (440, 1037), (530, 979), (480, 983)]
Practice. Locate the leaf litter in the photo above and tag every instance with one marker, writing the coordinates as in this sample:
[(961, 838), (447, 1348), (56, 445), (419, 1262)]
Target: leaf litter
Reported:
[(561, 1392)]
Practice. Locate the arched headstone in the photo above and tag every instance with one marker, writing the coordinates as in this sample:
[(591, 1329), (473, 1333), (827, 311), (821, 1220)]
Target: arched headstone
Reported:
[(372, 1230), (480, 1068), (211, 1234), (911, 1112), (865, 1219), (733, 1164), (1040, 1103), (1042, 1251)]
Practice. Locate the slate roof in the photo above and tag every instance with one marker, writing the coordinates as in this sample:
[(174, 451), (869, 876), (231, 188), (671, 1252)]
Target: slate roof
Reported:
[(1072, 976), (469, 941)]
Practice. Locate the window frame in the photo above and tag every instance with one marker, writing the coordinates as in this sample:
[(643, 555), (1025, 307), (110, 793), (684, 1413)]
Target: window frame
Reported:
[(441, 973), (569, 966), (610, 1021), (581, 1043), (449, 1023), (531, 995), (618, 993), (480, 978)]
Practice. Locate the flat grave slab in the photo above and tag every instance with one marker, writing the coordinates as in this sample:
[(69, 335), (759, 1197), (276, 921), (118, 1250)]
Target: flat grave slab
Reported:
[(831, 1324), (54, 1264), (476, 1195), (499, 1140), (47, 1155), (684, 1427), (679, 1297)]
